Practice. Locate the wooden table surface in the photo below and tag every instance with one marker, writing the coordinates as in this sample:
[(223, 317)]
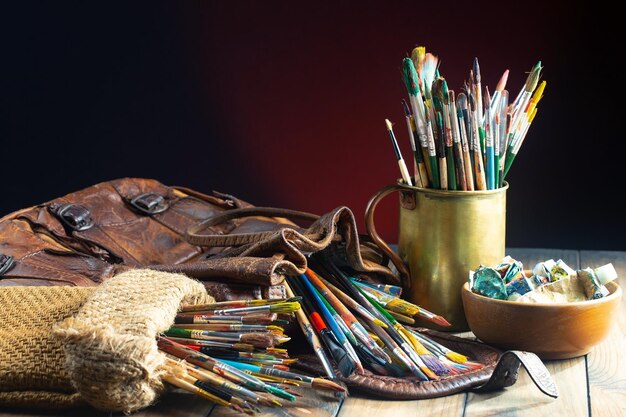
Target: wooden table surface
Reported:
[(593, 385)]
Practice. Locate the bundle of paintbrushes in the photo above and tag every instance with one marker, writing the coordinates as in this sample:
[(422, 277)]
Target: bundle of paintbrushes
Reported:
[(462, 142), (227, 353), (357, 325)]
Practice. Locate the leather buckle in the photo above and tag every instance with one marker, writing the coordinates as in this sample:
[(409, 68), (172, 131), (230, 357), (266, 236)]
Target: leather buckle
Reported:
[(6, 263), (74, 216), (149, 203)]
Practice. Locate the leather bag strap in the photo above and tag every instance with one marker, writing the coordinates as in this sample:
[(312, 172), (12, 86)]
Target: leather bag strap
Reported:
[(237, 239)]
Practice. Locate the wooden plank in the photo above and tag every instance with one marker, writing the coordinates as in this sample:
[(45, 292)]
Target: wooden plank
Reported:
[(313, 403), (172, 404), (606, 366), (523, 398), (362, 406)]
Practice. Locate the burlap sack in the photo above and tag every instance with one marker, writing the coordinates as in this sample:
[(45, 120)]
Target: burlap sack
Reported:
[(66, 346)]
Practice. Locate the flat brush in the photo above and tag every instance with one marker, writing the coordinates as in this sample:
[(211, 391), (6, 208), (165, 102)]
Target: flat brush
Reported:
[(264, 319), (278, 308), (241, 347), (258, 340), (240, 328), (236, 304)]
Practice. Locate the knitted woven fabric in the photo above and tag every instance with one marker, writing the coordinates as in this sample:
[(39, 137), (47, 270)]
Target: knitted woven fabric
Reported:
[(86, 345), (31, 359)]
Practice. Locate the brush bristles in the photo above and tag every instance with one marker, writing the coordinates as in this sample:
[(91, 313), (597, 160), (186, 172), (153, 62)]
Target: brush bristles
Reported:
[(440, 321), (435, 365), (327, 385), (258, 340), (284, 308), (456, 357), (402, 307)]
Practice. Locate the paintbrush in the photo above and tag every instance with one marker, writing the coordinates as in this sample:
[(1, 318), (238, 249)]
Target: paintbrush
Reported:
[(239, 328), (411, 81), (344, 362), (353, 304), (481, 181), (513, 142), (398, 334), (456, 140), (265, 319), (428, 73), (465, 140), (258, 340), (235, 304), (218, 367), (318, 383), (393, 340), (401, 306), (212, 378), (213, 384), (503, 129), (311, 337), (241, 347), (278, 308), (441, 102), (406, 177), (478, 91), (420, 174), (189, 387), (331, 322), (345, 315), (401, 317), (521, 101)]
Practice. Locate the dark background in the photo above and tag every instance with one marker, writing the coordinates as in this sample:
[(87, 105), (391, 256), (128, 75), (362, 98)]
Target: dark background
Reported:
[(282, 103)]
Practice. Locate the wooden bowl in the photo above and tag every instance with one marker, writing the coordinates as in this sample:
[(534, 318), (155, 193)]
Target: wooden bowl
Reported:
[(552, 331)]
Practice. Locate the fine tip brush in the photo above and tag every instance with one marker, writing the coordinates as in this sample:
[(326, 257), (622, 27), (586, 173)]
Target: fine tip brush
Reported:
[(406, 177)]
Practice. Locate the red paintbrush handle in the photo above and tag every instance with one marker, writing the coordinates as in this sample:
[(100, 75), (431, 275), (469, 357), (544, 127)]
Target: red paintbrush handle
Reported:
[(317, 322)]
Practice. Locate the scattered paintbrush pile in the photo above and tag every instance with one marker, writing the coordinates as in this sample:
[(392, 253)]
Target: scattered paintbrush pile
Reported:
[(331, 302), (465, 142), (227, 352)]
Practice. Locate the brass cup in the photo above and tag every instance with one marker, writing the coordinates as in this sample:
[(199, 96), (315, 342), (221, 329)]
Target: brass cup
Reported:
[(442, 236)]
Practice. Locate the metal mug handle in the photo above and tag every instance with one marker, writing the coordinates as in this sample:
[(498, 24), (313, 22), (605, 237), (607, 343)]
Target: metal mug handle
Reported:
[(371, 230)]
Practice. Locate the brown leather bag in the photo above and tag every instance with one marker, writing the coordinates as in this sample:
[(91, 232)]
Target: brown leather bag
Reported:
[(90, 235)]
